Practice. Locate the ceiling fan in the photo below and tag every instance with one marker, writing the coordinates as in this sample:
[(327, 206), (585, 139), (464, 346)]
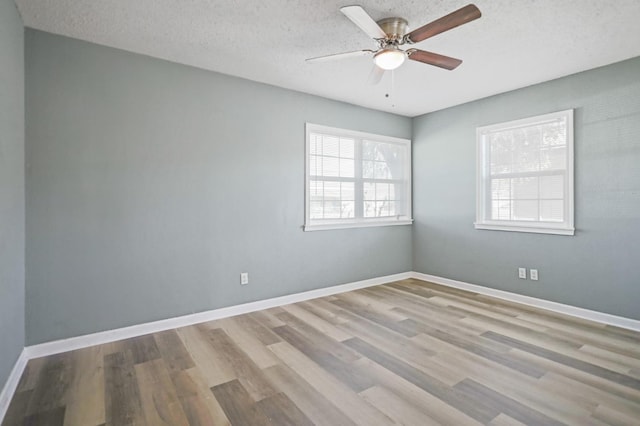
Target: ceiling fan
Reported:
[(391, 33)]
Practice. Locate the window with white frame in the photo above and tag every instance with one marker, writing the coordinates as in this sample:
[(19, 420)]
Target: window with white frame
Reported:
[(525, 175), (356, 179)]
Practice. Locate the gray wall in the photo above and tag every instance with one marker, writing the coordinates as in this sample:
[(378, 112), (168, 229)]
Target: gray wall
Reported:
[(596, 268), (11, 187), (152, 185)]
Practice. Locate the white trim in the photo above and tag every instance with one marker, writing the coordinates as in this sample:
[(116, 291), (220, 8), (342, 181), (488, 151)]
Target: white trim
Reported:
[(12, 383), (548, 305), (531, 229), (358, 225), (64, 345)]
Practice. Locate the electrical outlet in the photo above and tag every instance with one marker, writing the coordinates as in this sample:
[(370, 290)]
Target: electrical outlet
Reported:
[(533, 273), (244, 278), (522, 273)]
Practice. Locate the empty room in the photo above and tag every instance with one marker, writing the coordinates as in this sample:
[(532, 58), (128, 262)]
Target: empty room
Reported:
[(216, 212)]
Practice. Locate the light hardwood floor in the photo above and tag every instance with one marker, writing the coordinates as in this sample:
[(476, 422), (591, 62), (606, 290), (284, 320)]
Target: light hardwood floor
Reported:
[(409, 352)]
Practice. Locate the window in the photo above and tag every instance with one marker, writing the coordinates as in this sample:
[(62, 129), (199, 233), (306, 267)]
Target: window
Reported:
[(525, 175), (356, 179)]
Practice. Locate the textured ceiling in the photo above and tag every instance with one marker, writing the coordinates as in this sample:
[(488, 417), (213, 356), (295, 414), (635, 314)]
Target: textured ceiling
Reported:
[(514, 44)]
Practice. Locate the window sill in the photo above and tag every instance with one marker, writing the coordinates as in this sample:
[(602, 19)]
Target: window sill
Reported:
[(329, 226), (521, 228)]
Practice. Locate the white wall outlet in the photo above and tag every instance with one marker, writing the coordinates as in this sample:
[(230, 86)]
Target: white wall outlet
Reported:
[(533, 273), (244, 278), (522, 273)]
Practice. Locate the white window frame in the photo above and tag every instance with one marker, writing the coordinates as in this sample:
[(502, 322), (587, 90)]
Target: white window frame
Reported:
[(356, 222), (483, 191)]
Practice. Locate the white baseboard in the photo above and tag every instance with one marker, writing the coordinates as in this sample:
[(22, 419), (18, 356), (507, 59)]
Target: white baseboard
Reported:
[(574, 311), (12, 383), (64, 345)]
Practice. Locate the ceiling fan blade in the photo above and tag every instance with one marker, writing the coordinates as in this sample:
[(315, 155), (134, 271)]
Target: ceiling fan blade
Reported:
[(375, 75), (452, 20), (362, 19), (435, 59), (340, 56)]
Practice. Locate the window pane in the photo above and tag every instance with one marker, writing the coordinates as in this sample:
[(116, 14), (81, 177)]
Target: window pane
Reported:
[(382, 208), (525, 188), (347, 148), (369, 209), (367, 169), (347, 191), (368, 150), (332, 209), (555, 133), (331, 146), (501, 189), (552, 187), (316, 210), (330, 166), (382, 191), (313, 166), (525, 210), (552, 210), (553, 158), (381, 170), (348, 209), (501, 210), (347, 168), (331, 190), (393, 208), (369, 191), (316, 189)]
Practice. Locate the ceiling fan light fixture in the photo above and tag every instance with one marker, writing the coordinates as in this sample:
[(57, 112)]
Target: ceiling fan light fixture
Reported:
[(389, 58)]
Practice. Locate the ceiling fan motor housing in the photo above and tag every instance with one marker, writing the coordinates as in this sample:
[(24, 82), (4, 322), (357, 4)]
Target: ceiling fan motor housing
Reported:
[(394, 28)]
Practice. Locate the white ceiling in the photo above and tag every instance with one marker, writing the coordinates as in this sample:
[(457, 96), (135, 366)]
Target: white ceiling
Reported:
[(514, 44)]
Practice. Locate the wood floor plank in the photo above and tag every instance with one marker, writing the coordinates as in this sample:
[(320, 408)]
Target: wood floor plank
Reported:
[(198, 403), (504, 404), (344, 371), (254, 324), (247, 342), (280, 410), (238, 405), (52, 417), (214, 370), (30, 374), (567, 360), (339, 394), (52, 385), (142, 348), (395, 407), (173, 351), (17, 408), (311, 402), (324, 327), (478, 347), (431, 385), (85, 400), (381, 318), (326, 342), (433, 409), (158, 396), (122, 396), (244, 369)]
